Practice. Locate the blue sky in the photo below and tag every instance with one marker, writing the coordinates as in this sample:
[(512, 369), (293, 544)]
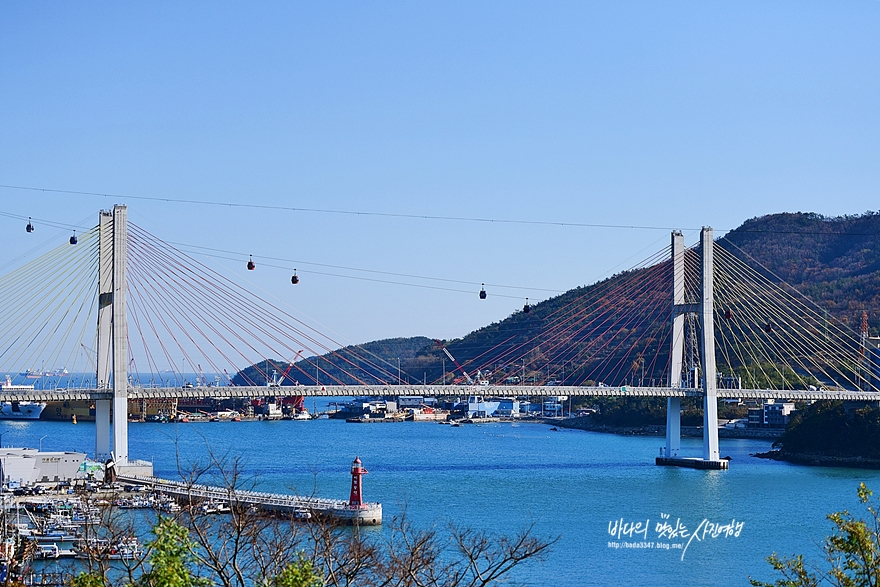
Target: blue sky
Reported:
[(667, 115)]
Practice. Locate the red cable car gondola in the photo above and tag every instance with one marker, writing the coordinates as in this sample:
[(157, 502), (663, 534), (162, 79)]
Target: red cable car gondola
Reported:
[(294, 280), (250, 264), (768, 328), (728, 315)]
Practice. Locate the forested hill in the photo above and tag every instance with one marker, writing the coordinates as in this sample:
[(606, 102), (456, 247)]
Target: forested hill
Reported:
[(834, 261), (379, 356)]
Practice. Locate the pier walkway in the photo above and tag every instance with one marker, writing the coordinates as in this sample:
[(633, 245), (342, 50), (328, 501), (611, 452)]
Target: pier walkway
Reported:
[(368, 514)]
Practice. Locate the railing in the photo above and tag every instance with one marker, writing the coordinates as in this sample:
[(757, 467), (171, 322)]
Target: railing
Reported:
[(136, 393), (195, 490)]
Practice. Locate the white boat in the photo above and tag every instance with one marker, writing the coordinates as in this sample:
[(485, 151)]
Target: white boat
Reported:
[(21, 410), (7, 386)]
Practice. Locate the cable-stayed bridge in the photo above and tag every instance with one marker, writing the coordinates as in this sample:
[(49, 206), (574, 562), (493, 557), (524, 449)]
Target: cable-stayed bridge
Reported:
[(701, 322)]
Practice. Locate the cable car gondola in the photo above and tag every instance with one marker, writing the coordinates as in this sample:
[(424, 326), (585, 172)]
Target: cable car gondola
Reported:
[(73, 238), (527, 308), (30, 226), (250, 264), (768, 328), (728, 315), (483, 291), (295, 279)]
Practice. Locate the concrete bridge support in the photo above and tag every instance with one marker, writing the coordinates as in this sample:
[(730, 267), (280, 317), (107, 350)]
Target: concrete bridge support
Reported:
[(705, 309), (707, 350), (673, 404), (112, 336)]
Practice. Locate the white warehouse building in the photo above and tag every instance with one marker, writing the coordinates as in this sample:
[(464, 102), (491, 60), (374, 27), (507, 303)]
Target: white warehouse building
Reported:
[(26, 466)]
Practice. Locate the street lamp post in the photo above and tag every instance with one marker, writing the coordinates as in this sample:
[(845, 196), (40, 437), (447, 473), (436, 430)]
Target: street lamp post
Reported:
[(41, 441)]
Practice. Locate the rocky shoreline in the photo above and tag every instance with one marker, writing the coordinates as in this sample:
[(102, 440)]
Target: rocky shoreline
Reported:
[(812, 460), (587, 423), (820, 460)]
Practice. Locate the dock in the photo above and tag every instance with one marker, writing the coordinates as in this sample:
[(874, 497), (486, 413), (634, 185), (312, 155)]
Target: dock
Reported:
[(374, 420), (367, 514)]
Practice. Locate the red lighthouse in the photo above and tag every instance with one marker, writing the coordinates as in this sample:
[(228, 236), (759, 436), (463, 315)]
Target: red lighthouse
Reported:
[(357, 471)]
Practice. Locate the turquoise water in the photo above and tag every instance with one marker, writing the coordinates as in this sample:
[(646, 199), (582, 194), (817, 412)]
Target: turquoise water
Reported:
[(504, 477)]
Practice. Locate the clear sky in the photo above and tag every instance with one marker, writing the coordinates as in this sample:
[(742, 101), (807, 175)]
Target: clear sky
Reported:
[(649, 114)]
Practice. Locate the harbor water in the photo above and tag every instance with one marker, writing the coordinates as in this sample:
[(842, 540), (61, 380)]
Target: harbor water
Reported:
[(618, 519)]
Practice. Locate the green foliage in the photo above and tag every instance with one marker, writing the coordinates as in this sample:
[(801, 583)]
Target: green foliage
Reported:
[(852, 553), (301, 573), (88, 580), (828, 428), (634, 412), (627, 412), (171, 554), (768, 375)]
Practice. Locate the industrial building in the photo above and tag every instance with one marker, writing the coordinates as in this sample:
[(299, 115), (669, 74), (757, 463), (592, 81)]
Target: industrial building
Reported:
[(22, 467)]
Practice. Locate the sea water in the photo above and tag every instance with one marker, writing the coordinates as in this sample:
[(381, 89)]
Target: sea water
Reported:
[(616, 518)]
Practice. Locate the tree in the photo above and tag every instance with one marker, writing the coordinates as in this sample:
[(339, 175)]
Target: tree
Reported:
[(171, 554), (298, 574), (852, 553), (249, 547)]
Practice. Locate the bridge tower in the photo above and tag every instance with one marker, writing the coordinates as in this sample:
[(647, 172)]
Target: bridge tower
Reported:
[(676, 355), (112, 363), (705, 309)]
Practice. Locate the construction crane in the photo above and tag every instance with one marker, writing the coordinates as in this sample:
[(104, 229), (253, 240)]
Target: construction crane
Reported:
[(451, 358)]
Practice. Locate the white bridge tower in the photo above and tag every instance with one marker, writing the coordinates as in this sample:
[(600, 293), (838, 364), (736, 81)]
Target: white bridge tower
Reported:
[(112, 363), (705, 310)]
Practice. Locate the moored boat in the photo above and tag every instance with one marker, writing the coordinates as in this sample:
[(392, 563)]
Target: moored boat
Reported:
[(19, 410)]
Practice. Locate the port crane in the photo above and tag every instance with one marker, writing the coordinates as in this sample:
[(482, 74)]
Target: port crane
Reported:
[(451, 358)]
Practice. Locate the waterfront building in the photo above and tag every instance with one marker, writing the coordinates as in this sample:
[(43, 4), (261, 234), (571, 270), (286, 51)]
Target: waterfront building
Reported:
[(26, 466), (772, 414), (507, 406), (481, 407)]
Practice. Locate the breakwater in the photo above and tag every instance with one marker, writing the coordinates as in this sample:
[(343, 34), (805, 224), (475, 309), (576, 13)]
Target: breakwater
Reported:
[(368, 514)]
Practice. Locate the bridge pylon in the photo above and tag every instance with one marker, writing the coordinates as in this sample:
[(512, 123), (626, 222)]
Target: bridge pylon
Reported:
[(112, 361), (705, 310)]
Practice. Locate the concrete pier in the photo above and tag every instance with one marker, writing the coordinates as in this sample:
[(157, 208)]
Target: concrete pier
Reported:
[(368, 514), (693, 463)]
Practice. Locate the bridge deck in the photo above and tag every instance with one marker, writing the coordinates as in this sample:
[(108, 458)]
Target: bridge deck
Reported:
[(226, 392)]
